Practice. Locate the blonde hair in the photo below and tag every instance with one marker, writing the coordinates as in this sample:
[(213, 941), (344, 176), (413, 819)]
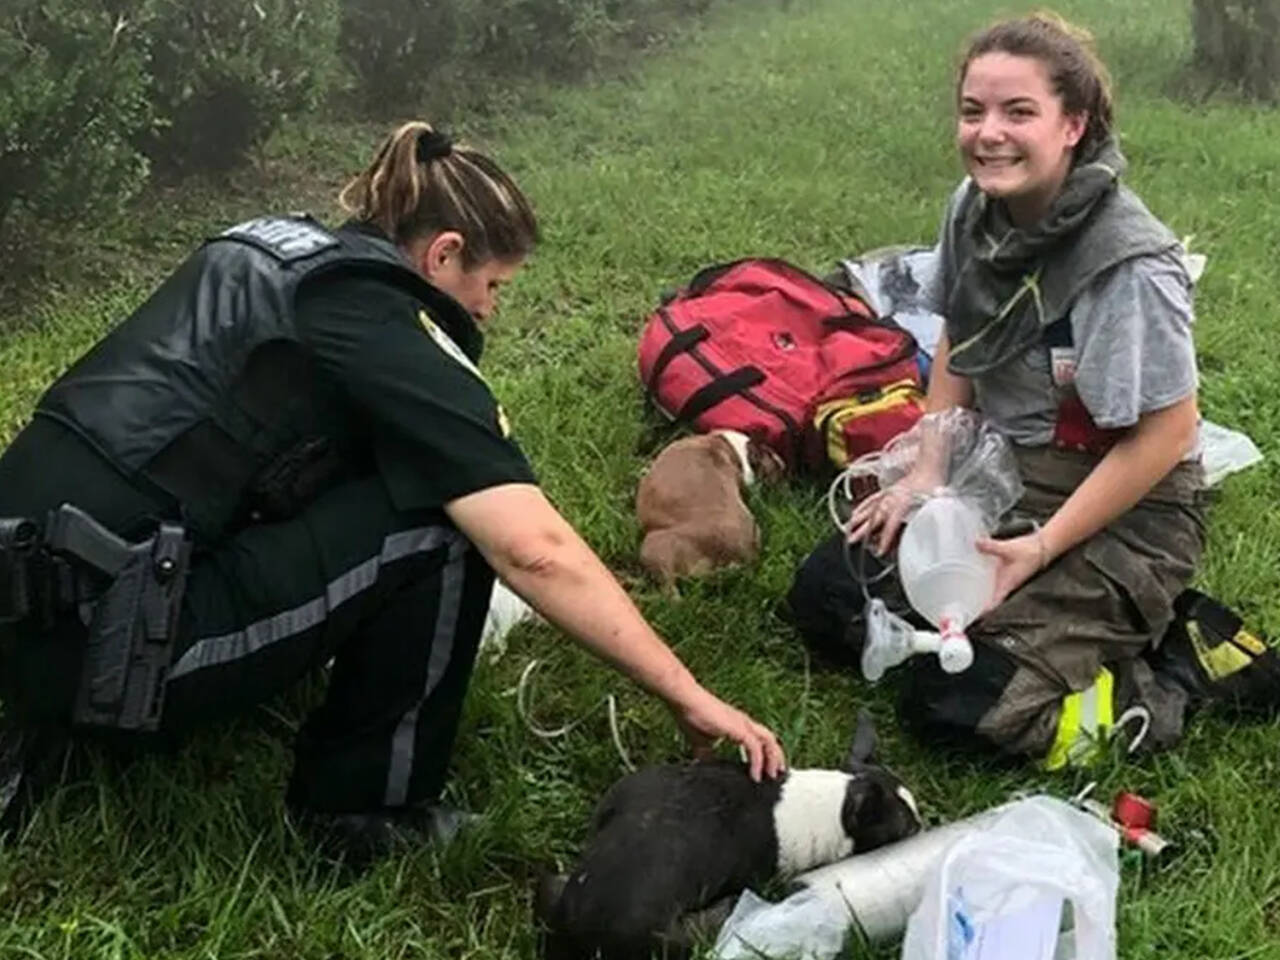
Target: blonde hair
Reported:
[(421, 183), (1077, 74)]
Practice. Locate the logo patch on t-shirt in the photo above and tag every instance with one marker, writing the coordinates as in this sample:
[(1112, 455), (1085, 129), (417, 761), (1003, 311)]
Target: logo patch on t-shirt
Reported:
[(1062, 366)]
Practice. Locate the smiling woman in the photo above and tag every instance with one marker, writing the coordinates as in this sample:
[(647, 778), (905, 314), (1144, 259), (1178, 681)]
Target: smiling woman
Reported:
[(1015, 136), (1068, 325), (1032, 97)]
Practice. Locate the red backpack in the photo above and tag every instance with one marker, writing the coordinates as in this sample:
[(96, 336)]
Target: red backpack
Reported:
[(759, 345)]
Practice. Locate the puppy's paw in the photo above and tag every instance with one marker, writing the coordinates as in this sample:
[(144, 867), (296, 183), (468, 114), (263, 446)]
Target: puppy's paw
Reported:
[(546, 895)]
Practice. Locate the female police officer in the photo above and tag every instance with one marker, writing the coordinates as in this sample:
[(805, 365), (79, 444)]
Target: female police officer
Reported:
[(307, 404)]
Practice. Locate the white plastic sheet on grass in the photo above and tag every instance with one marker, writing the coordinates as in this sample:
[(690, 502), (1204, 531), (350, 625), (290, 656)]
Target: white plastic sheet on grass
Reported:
[(805, 926), (1001, 880), (894, 281), (1000, 892), (1225, 451), (506, 609)]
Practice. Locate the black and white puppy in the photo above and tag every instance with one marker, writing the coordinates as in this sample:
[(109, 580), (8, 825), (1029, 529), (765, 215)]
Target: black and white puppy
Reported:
[(669, 841)]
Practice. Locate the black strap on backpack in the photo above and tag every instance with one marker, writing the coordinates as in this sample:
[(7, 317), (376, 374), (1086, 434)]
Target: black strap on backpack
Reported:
[(718, 390), (721, 386), (682, 342)]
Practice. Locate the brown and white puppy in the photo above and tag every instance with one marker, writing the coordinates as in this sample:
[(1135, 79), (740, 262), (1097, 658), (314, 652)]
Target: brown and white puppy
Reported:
[(690, 504)]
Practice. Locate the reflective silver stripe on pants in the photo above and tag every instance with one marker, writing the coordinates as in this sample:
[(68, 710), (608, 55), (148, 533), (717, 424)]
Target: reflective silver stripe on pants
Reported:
[(212, 651), (402, 742)]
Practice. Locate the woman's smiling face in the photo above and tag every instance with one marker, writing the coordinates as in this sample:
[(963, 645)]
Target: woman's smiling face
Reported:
[(1015, 139)]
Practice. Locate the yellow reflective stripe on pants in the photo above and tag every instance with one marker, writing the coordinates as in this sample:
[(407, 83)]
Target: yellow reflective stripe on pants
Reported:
[(1084, 723)]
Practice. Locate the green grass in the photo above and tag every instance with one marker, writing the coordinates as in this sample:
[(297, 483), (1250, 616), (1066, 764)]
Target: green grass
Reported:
[(807, 131)]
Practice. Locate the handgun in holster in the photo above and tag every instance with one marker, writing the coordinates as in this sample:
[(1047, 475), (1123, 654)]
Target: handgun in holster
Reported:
[(128, 596)]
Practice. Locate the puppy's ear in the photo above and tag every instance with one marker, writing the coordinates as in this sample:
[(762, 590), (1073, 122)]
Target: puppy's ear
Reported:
[(864, 802), (863, 750), (767, 465)]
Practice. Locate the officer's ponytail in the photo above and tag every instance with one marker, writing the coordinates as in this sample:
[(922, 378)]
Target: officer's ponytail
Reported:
[(420, 183)]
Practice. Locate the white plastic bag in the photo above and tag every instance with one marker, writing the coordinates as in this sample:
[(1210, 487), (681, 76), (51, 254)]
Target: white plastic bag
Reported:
[(978, 462), (506, 609), (894, 280), (1225, 451), (804, 926), (999, 892)]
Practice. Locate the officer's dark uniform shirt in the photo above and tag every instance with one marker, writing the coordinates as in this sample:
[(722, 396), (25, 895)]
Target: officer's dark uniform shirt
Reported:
[(437, 432)]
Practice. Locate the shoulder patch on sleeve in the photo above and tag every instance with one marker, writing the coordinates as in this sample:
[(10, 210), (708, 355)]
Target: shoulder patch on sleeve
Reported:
[(285, 238), (455, 353), (449, 345)]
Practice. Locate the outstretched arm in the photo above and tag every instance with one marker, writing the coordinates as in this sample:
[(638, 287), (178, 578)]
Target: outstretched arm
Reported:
[(535, 551)]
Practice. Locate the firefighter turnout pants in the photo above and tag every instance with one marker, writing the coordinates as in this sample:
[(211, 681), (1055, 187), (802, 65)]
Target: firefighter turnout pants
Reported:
[(1062, 660)]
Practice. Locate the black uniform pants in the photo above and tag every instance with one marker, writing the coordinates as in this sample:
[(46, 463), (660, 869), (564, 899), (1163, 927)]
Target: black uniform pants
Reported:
[(396, 600)]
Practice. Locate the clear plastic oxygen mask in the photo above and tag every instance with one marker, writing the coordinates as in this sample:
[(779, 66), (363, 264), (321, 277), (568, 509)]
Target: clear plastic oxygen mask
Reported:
[(947, 581)]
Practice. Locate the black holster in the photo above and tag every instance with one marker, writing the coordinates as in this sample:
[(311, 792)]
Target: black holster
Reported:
[(127, 595)]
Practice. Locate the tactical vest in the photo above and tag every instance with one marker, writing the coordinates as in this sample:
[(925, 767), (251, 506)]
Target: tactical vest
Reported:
[(192, 395)]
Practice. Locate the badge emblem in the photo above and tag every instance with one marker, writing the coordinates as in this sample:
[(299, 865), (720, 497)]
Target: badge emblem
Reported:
[(447, 344)]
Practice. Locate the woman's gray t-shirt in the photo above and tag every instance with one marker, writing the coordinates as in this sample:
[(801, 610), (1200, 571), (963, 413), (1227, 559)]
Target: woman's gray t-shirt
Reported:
[(1132, 350)]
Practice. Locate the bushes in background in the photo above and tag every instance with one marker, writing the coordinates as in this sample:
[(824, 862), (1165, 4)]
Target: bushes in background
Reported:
[(558, 38), (225, 73), (94, 93), (91, 90), (73, 95), (394, 49), (397, 50)]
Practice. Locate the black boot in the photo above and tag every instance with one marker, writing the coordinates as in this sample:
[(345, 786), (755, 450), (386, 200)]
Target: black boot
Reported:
[(1208, 653), (358, 840), (30, 760)]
